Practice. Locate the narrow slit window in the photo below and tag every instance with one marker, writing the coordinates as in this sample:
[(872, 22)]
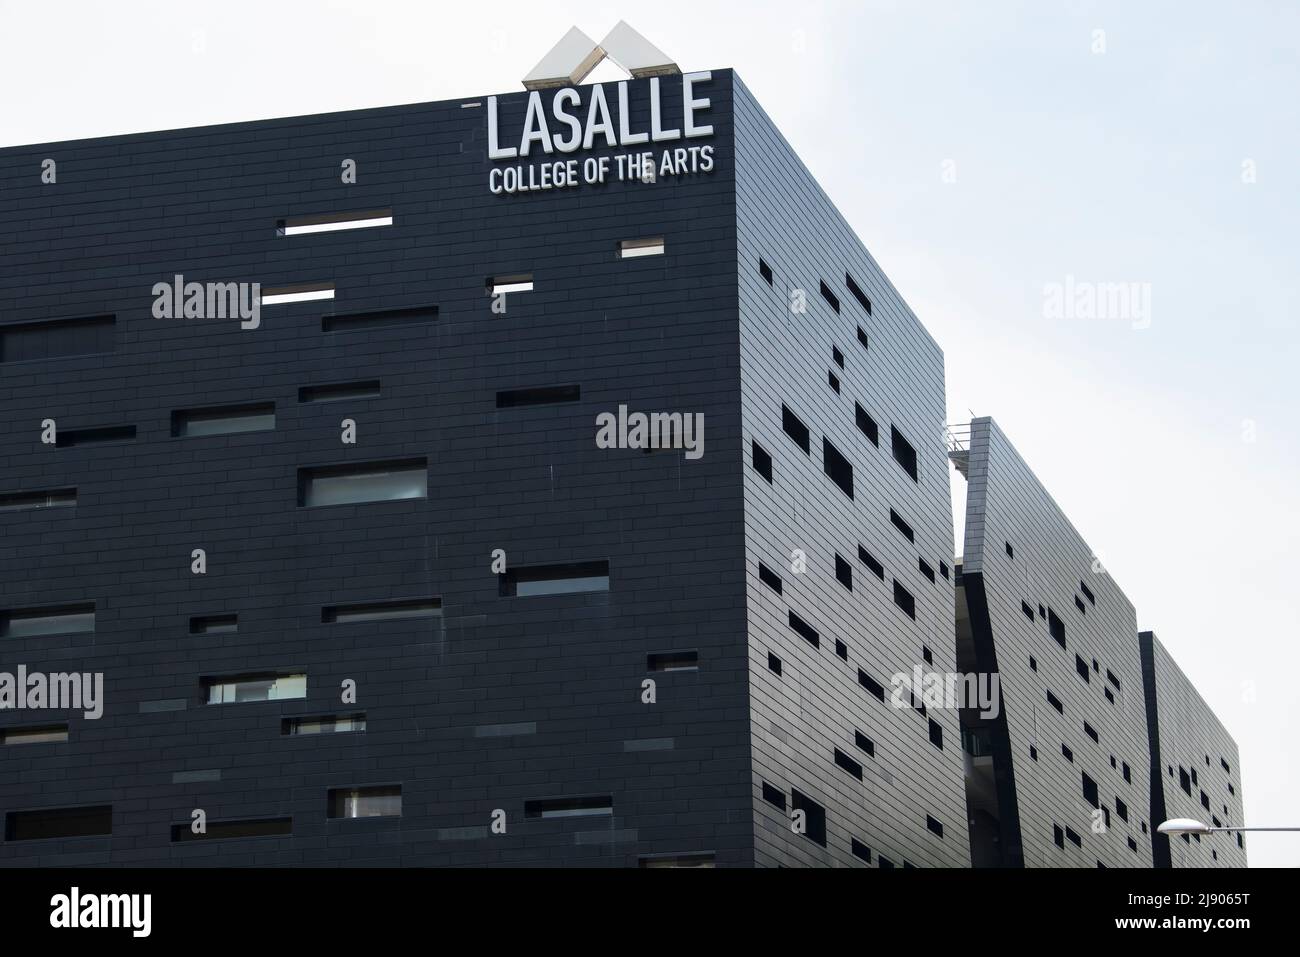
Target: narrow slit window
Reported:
[(833, 381), (858, 294), (871, 684), (1056, 627), (333, 222), (57, 339), (56, 620), (72, 438), (381, 611), (926, 569), (225, 420), (380, 319), (380, 801), (770, 578), (904, 453), (566, 579), (762, 461), (814, 817), (848, 764), (586, 806), (232, 830), (503, 285), (796, 430), (804, 630), (36, 734), (866, 424), (239, 689), (774, 796), (936, 734), (214, 624), (362, 483), (902, 525), (636, 248), (904, 600), (864, 743), (774, 664), (765, 271), (837, 357), (933, 824), (673, 661), (1055, 702), (830, 297), (870, 561), (44, 498), (862, 339), (860, 850), (324, 724), (837, 467), (1092, 599), (298, 292), (841, 650), (843, 572), (61, 822), (541, 395), (338, 392)]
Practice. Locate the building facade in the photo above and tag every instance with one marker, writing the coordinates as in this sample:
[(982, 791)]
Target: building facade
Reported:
[(375, 563)]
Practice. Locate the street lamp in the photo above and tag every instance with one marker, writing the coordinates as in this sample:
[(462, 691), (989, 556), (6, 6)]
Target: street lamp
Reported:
[(1185, 825)]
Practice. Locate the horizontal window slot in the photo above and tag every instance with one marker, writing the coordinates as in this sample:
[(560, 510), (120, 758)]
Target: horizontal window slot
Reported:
[(70, 438), (228, 830), (362, 483), (324, 724), (356, 321), (224, 420), (238, 689), (521, 282), (592, 806), (378, 801), (57, 339), (54, 620), (333, 222), (531, 581), (858, 294), (59, 822), (542, 395), (636, 248), (381, 611), (300, 292), (703, 859), (673, 661), (214, 624), (339, 391), (38, 734), (45, 498)]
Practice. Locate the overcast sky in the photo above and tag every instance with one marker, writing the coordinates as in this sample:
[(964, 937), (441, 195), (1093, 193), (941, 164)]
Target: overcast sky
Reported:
[(982, 152)]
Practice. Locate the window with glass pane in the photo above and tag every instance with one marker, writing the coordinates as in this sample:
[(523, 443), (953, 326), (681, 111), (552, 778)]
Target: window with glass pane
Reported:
[(363, 483)]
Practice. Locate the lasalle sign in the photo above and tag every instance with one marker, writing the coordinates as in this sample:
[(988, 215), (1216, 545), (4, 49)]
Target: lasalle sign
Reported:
[(571, 125)]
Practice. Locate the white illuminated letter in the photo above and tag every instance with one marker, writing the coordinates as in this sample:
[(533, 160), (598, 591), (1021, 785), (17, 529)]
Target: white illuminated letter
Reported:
[(494, 151), (690, 105), (569, 144)]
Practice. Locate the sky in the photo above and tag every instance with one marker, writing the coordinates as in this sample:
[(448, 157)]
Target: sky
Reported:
[(991, 156)]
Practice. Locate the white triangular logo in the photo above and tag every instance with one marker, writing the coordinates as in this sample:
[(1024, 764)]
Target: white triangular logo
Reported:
[(576, 55)]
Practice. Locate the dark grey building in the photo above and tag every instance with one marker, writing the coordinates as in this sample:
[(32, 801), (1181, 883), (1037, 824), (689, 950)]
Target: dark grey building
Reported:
[(1195, 770), (279, 538), (1059, 778)]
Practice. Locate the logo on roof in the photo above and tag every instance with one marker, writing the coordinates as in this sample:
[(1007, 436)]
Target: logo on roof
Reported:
[(576, 55)]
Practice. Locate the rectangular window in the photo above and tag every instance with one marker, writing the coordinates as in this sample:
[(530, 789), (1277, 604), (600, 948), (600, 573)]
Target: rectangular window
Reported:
[(862, 338), (773, 796), (72, 438), (1109, 696), (1092, 599), (360, 321), (814, 817), (1078, 603), (636, 248), (658, 861), (762, 461), (904, 600), (226, 420), (40, 734), (902, 526), (837, 467), (848, 764), (1222, 761), (1058, 836), (333, 222), (1056, 627), (774, 664), (1090, 790), (338, 392), (1074, 838), (55, 620), (324, 724), (1121, 809), (936, 734), (934, 826), (1029, 612), (1011, 552), (860, 850), (231, 830), (804, 630), (1091, 732), (59, 822), (238, 689), (871, 684), (1055, 702), (904, 454), (886, 864), (865, 743), (841, 650), (1067, 753), (765, 271), (504, 285), (567, 579), (46, 498), (385, 801), (381, 611), (867, 559), (833, 380), (866, 424), (796, 430), (769, 578), (943, 569), (542, 395), (829, 296), (1110, 676), (857, 292), (362, 483), (214, 624), (601, 805), (843, 572), (1081, 667), (57, 339), (673, 661), (837, 356), (1127, 772), (926, 570), (297, 292)]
